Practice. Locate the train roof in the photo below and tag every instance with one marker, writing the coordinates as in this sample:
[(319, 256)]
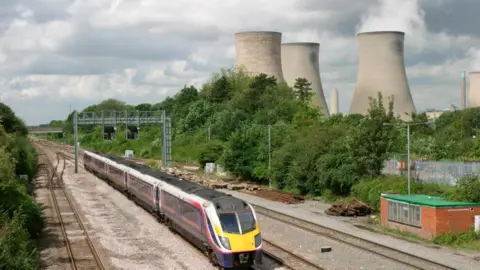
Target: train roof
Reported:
[(222, 201)]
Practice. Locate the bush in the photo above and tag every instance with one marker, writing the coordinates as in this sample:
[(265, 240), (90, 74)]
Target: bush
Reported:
[(467, 189), (34, 222), (456, 238), (369, 190), (211, 152), (15, 249)]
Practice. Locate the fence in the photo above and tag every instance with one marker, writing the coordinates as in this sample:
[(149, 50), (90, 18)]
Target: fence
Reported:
[(442, 172)]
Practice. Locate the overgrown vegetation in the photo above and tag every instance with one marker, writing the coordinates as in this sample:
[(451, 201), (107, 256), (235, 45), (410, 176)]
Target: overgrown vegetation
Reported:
[(20, 216), (227, 122)]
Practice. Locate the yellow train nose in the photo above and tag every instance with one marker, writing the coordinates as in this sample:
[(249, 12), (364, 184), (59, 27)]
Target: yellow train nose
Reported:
[(239, 242)]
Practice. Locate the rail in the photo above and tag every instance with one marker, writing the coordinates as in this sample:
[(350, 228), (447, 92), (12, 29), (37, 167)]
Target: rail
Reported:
[(354, 241), (75, 249)]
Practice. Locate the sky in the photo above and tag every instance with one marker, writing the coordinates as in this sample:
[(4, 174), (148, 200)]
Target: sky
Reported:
[(57, 55)]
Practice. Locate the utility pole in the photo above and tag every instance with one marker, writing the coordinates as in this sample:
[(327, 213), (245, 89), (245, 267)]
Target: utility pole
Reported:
[(75, 141), (269, 158), (209, 133), (408, 147), (408, 156)]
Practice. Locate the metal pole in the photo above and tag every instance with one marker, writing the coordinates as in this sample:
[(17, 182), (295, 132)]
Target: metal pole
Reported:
[(208, 133), (464, 91), (164, 139), (269, 158), (75, 141), (408, 156)]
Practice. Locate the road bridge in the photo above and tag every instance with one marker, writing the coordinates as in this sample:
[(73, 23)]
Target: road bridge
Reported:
[(44, 130)]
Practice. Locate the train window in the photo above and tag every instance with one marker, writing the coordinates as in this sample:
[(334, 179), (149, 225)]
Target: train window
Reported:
[(247, 221), (191, 213), (229, 223)]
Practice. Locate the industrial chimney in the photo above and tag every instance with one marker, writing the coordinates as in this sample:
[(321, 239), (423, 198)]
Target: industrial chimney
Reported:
[(300, 60), (474, 91), (334, 102), (381, 68), (260, 52)]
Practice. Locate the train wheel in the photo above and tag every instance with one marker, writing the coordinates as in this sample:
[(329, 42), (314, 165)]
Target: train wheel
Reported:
[(213, 259)]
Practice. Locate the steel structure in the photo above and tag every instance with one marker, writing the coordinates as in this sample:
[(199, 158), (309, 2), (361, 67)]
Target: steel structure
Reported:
[(44, 130), (474, 90), (301, 60), (134, 118), (381, 68), (260, 52), (463, 93), (334, 102)]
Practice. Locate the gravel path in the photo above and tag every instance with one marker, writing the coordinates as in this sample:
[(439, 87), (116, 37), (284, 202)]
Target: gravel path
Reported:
[(131, 237)]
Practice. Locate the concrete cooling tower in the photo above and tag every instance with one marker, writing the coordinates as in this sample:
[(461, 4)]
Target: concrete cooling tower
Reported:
[(381, 68), (334, 102), (260, 52), (300, 60), (474, 90)]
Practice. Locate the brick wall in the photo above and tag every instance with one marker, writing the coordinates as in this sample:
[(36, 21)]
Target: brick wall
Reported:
[(434, 220), (428, 221), (455, 219)]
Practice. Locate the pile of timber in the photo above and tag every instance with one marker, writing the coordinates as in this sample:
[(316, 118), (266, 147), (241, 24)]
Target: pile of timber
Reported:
[(210, 183), (353, 208)]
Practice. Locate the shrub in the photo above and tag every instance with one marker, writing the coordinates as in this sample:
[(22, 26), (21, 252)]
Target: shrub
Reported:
[(467, 189), (369, 190), (15, 249), (211, 152), (456, 238)]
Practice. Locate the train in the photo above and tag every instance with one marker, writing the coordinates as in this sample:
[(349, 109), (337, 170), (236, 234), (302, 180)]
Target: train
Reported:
[(222, 226)]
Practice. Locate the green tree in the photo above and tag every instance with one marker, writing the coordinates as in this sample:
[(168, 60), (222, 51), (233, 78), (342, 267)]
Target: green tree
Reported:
[(303, 90), (374, 141)]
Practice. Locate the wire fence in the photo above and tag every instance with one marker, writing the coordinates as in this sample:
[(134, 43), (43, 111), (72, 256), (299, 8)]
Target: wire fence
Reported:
[(441, 172)]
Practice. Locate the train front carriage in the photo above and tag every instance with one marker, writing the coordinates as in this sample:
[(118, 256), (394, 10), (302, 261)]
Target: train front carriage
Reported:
[(239, 240)]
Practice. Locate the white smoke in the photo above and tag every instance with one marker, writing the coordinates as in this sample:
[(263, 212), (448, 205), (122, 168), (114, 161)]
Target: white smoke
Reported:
[(397, 15)]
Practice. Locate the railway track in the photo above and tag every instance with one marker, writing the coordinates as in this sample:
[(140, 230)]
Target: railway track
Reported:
[(398, 256), (287, 257), (80, 249)]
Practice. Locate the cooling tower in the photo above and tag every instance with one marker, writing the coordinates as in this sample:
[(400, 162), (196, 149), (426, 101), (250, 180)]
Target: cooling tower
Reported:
[(300, 60), (381, 68), (334, 102), (260, 52), (474, 90)]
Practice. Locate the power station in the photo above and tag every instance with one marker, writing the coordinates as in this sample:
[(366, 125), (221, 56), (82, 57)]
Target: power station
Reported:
[(300, 60), (381, 68), (334, 102), (474, 90), (260, 52)]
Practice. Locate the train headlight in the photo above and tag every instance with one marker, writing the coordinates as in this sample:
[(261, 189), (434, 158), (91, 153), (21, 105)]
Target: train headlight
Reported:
[(258, 240), (225, 242)]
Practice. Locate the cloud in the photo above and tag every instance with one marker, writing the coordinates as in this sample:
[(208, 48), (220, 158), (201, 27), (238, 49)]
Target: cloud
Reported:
[(393, 15), (55, 53)]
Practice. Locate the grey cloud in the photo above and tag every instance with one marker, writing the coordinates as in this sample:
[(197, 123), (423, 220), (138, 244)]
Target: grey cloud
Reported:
[(432, 57), (130, 43), (454, 17), (51, 64)]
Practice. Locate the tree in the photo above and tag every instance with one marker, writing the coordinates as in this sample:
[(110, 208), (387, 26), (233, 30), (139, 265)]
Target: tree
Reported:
[(302, 90), (373, 141)]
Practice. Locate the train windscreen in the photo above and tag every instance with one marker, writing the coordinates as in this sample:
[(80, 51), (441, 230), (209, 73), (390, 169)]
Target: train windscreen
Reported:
[(237, 222), (229, 223), (247, 221)]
